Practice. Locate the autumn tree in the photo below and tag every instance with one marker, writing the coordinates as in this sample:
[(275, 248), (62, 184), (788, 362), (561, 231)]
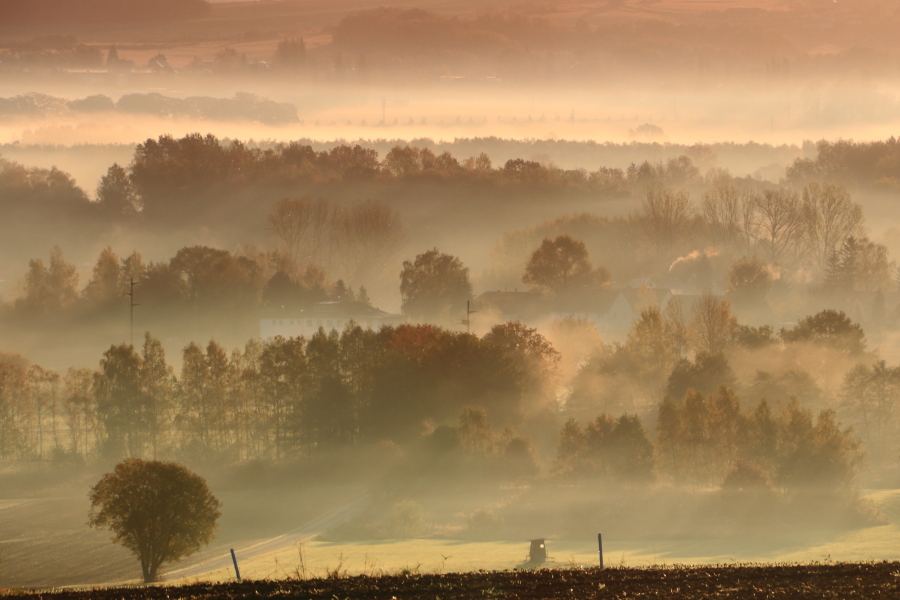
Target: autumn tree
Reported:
[(120, 403), (529, 352), (749, 280), (434, 286), (133, 268), (705, 373), (104, 286), (650, 343), (158, 386), (859, 265), (713, 325), (816, 451), (560, 264), (80, 411), (50, 288), (829, 328), (116, 195), (607, 448), (160, 511)]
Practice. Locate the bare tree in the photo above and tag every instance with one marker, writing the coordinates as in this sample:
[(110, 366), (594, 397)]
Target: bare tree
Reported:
[(367, 238), (321, 216), (290, 220), (713, 325), (830, 217), (303, 227), (778, 224), (730, 214), (666, 217)]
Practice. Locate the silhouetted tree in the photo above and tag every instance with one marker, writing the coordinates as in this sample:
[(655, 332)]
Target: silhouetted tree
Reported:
[(434, 287), (120, 404), (104, 286), (50, 288), (115, 193), (830, 328), (159, 510), (561, 264), (705, 374)]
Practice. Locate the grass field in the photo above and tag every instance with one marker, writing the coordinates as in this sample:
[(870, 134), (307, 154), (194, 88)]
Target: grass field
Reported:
[(46, 543), (320, 558)]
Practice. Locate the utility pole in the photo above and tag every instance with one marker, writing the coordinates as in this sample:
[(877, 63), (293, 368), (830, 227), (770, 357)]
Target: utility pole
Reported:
[(469, 312), (383, 111), (130, 294)]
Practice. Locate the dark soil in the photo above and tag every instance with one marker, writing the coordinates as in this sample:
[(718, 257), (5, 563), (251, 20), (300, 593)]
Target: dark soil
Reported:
[(869, 580)]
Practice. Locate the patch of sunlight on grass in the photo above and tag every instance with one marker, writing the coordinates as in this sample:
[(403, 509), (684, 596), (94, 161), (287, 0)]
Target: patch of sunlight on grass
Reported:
[(320, 559)]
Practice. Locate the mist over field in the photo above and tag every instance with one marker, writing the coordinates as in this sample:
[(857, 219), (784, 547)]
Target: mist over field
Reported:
[(411, 285)]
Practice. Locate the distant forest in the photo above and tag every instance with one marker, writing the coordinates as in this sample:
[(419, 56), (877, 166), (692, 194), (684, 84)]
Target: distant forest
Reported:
[(522, 46)]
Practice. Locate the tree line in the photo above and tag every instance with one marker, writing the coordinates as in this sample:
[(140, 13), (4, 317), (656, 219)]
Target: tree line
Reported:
[(856, 164), (740, 235), (164, 169), (714, 440), (273, 399), (290, 398)]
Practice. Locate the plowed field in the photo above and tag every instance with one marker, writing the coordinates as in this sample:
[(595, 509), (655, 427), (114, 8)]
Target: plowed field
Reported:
[(869, 580)]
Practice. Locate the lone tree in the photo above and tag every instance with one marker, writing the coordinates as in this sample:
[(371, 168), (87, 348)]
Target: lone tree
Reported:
[(159, 510), (562, 263)]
